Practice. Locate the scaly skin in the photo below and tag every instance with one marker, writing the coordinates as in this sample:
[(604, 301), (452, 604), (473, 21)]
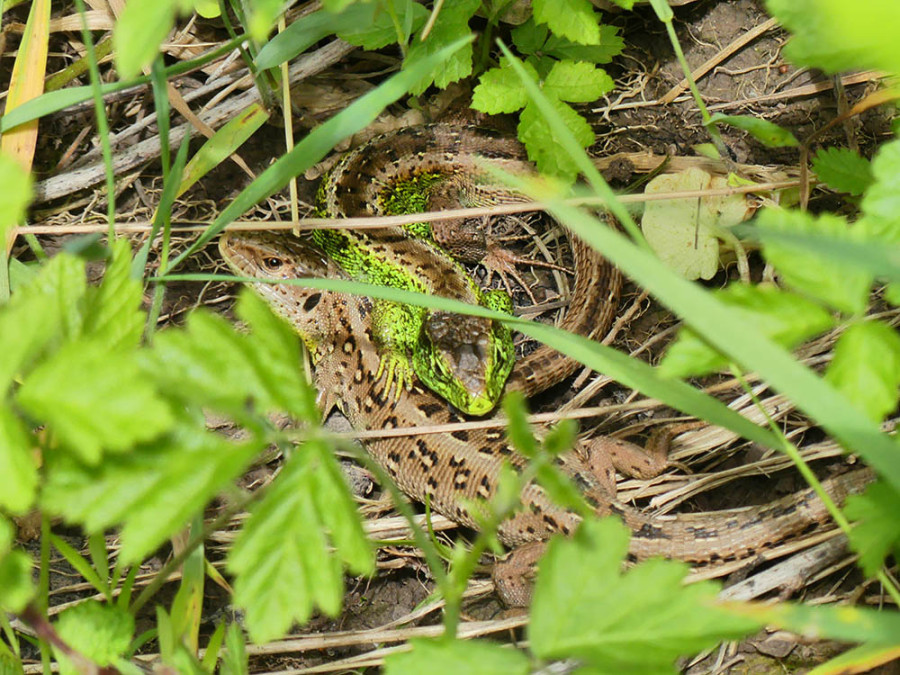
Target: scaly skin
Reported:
[(465, 359), (453, 470)]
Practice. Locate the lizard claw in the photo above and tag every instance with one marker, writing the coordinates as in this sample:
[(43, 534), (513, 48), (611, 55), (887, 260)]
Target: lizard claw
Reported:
[(398, 373)]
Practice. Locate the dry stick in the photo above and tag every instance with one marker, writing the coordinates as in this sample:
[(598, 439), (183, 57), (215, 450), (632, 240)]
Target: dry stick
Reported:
[(722, 55), (78, 179), (428, 217)]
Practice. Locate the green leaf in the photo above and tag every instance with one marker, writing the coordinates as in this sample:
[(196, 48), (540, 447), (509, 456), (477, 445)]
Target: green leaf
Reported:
[(769, 134), (138, 33), (843, 170), (842, 286), (577, 82), (640, 621), (836, 35), (261, 17), (370, 26), (499, 91), (541, 145), (100, 632), (517, 428), (785, 317), (882, 200), (17, 464), (16, 587), (213, 365), (112, 311), (15, 195), (452, 23), (234, 661), (154, 491), (876, 532), (866, 367), (283, 559), (529, 38), (611, 45), (449, 657), (276, 357), (222, 144), (572, 19), (91, 398)]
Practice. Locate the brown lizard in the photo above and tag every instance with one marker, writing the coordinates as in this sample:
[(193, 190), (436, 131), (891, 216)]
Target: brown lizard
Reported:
[(448, 469)]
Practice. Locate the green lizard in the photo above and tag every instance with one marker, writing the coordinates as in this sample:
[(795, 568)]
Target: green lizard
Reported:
[(464, 359), (452, 470)]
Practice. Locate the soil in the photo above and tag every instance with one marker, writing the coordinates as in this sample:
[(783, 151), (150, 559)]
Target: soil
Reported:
[(629, 120)]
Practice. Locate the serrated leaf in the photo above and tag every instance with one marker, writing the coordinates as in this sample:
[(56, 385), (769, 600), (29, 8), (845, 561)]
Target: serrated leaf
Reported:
[(843, 170), (154, 491), (572, 19), (452, 23), (17, 464), (100, 632), (440, 657), (283, 561), (102, 413), (866, 367), (577, 82), (215, 366), (112, 310), (785, 317), (768, 133), (530, 37), (543, 149), (640, 621), (276, 357), (876, 534), (370, 26), (611, 45), (844, 287), (685, 233), (882, 200), (500, 91), (16, 586), (843, 36), (138, 33)]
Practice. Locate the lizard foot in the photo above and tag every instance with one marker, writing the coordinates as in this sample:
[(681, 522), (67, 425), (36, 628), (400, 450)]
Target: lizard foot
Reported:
[(502, 262), (397, 372)]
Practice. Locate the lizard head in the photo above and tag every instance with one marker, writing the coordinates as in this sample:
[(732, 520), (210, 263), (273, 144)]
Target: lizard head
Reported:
[(465, 359), (271, 257)]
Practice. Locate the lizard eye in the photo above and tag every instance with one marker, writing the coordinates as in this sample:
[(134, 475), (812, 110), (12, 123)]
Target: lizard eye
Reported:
[(272, 263)]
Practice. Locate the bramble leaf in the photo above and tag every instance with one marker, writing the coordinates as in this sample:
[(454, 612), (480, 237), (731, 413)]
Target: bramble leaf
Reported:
[(287, 559), (876, 532), (577, 82), (111, 396), (843, 170), (473, 657), (572, 19), (542, 149), (866, 367), (641, 620), (499, 90), (783, 316), (843, 35), (452, 24), (17, 464), (100, 632), (843, 286)]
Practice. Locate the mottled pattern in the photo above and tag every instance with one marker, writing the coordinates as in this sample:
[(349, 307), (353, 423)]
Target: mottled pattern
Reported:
[(450, 468)]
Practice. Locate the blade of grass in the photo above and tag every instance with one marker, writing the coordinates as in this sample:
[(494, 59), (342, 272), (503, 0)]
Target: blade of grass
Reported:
[(719, 325), (320, 141)]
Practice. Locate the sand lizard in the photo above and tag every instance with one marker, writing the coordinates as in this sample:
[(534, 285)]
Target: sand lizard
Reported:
[(448, 468), (465, 359)]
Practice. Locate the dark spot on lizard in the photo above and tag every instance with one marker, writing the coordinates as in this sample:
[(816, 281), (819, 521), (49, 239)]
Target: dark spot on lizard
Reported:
[(461, 435)]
